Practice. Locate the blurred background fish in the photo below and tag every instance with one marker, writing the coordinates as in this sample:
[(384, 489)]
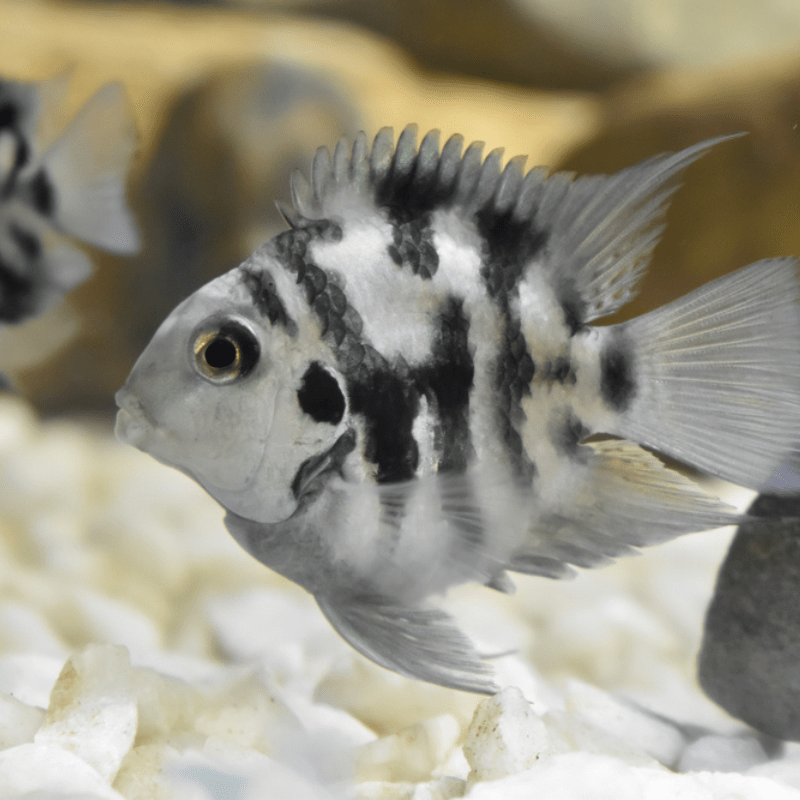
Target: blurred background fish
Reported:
[(54, 192), (73, 187)]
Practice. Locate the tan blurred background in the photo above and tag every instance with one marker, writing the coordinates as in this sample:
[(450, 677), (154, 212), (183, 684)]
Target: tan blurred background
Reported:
[(229, 97)]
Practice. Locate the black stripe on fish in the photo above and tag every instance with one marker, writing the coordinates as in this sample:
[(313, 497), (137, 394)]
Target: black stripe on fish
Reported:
[(514, 372), (341, 325), (511, 245), (9, 115), (43, 193), (617, 373), (418, 180), (573, 306), (266, 299), (388, 401), (320, 396), (447, 381), (17, 294)]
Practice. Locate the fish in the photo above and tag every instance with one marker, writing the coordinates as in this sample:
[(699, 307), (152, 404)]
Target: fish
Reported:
[(71, 188), (404, 391)]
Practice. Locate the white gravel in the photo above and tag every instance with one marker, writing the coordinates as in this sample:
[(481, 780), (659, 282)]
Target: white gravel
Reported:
[(144, 656)]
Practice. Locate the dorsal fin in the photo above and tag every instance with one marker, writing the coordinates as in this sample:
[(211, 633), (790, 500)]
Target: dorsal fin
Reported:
[(600, 229)]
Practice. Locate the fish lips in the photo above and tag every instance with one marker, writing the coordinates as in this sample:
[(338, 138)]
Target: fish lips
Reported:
[(133, 425)]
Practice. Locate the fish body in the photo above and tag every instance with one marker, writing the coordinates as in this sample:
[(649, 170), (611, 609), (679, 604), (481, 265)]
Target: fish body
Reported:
[(73, 187), (393, 396)]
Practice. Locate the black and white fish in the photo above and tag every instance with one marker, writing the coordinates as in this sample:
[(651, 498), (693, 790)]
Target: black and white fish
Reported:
[(74, 187), (393, 396)]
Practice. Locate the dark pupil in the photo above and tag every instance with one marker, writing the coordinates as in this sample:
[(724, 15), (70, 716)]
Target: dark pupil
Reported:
[(220, 354)]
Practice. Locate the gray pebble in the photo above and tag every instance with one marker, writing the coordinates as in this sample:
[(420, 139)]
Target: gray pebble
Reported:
[(749, 660)]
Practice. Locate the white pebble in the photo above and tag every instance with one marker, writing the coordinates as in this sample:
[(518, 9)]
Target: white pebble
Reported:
[(633, 727), (18, 722), (505, 737), (30, 678), (722, 754), (51, 772), (92, 709), (409, 755), (601, 777), (106, 619)]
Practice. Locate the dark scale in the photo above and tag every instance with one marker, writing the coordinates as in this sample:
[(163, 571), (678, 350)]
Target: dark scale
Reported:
[(514, 372), (446, 381), (266, 299), (617, 381), (412, 247)]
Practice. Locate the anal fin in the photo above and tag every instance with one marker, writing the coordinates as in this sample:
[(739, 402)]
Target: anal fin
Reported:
[(622, 498)]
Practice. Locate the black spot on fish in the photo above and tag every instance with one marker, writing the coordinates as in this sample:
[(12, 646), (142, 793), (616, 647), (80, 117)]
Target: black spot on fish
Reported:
[(266, 299), (617, 374), (42, 193), (511, 245), (18, 295), (447, 380), (27, 242), (389, 403), (320, 396)]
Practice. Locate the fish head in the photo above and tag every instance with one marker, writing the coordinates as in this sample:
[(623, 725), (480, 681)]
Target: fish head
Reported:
[(222, 394)]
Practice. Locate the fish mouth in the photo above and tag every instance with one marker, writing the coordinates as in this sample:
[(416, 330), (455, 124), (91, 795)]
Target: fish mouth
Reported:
[(133, 425)]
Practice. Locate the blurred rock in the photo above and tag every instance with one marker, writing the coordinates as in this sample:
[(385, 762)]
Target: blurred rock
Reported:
[(749, 661), (658, 33), (498, 39), (738, 204), (227, 104), (568, 44)]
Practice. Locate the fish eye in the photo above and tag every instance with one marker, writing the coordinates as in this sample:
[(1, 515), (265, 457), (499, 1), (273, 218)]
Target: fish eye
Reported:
[(225, 351)]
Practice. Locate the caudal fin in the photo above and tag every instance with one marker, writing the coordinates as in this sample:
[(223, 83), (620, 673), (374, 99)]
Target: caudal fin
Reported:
[(713, 379), (79, 183)]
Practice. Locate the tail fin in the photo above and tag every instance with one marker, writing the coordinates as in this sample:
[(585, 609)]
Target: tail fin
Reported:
[(79, 184), (713, 379)]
